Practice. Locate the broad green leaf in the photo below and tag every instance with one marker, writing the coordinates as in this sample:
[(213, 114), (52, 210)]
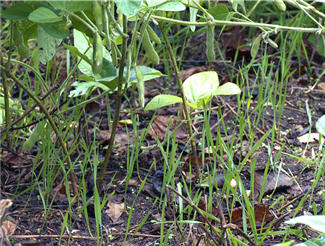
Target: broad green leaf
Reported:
[(112, 80), (200, 86), (71, 6), (172, 6), (129, 7), (82, 88), (46, 46), (227, 89), (18, 11), (317, 222), (219, 12), (166, 5), (56, 30), (44, 15), (313, 242), (30, 31), (320, 125), (161, 101), (148, 74)]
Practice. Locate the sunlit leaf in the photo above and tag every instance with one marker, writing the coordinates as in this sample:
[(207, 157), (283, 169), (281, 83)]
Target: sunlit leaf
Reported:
[(162, 101)]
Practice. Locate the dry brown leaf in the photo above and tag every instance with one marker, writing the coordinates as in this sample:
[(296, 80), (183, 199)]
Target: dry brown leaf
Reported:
[(273, 181), (321, 86), (4, 205), (115, 210), (162, 123), (309, 138), (9, 227)]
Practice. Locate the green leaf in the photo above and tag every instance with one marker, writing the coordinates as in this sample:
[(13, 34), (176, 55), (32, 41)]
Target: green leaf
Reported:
[(166, 5), (46, 46), (18, 11), (227, 89), (71, 6), (317, 222), (44, 15), (148, 74), (161, 101), (82, 88), (172, 6), (320, 125), (199, 87), (56, 30), (129, 7), (219, 12)]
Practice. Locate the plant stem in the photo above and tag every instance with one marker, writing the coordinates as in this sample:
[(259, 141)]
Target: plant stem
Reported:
[(117, 108), (238, 23), (7, 106), (187, 114), (53, 124)]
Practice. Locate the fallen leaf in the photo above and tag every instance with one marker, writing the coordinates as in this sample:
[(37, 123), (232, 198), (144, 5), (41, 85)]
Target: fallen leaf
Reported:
[(60, 189), (309, 138), (262, 214), (92, 107), (115, 210), (161, 124), (188, 72), (321, 86), (273, 182), (4, 205), (14, 160), (8, 227)]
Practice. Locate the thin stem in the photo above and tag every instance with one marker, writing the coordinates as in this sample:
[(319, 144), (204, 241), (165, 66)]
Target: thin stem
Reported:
[(117, 108), (7, 106), (53, 124), (237, 23), (187, 114)]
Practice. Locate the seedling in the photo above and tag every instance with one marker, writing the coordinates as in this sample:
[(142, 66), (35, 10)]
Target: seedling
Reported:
[(198, 89)]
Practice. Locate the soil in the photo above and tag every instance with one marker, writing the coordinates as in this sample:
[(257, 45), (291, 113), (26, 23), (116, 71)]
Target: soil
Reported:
[(45, 225)]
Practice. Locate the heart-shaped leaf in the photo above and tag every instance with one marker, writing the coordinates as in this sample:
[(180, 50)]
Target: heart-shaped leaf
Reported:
[(199, 88)]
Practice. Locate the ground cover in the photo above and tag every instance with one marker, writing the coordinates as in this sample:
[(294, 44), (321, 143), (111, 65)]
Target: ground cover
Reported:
[(259, 153)]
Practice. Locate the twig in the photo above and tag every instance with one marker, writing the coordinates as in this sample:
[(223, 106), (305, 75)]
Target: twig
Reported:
[(79, 237)]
